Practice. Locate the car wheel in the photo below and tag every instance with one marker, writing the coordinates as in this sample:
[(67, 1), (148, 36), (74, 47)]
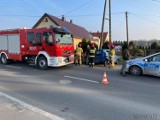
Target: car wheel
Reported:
[(4, 59), (105, 63), (42, 63), (135, 70)]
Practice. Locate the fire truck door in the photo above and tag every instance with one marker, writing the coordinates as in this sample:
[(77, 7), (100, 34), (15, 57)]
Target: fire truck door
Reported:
[(48, 42), (35, 44)]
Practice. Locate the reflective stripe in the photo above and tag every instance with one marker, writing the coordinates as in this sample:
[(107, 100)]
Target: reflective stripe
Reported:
[(92, 52)]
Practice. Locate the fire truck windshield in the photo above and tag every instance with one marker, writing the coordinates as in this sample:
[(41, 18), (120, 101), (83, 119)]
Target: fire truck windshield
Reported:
[(63, 38)]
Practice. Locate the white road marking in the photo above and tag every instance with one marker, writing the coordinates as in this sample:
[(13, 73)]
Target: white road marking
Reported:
[(13, 67), (32, 108), (82, 79)]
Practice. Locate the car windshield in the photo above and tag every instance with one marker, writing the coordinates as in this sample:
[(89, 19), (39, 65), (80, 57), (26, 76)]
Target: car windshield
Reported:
[(155, 58), (63, 38)]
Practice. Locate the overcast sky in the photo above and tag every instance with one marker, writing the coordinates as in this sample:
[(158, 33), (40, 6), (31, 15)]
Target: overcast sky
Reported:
[(143, 17)]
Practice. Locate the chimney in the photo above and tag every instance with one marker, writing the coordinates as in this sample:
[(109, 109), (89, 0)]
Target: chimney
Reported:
[(71, 21), (63, 18)]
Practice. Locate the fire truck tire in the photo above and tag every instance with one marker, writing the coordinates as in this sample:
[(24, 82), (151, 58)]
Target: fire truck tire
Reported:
[(42, 63), (4, 59)]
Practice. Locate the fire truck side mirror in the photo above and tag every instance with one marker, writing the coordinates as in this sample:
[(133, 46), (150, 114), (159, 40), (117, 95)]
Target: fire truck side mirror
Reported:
[(61, 35)]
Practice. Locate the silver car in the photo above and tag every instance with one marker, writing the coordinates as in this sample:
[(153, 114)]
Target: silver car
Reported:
[(149, 65)]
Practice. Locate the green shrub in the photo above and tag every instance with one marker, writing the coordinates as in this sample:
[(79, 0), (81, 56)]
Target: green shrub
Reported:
[(137, 52)]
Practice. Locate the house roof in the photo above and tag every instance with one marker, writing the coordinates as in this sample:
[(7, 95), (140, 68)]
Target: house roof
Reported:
[(98, 34), (76, 30)]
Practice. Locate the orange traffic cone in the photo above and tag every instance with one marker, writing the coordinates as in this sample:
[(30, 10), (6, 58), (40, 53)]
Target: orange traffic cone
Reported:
[(105, 81)]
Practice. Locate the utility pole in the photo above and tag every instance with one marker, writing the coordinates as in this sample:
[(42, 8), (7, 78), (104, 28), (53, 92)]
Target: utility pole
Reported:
[(103, 20), (127, 28), (110, 25)]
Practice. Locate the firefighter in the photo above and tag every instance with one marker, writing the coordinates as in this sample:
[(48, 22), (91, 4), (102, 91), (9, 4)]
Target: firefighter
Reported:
[(87, 53), (78, 55), (92, 52), (111, 55)]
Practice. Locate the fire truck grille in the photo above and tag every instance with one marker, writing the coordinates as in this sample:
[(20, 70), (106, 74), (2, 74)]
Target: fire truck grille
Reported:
[(67, 52)]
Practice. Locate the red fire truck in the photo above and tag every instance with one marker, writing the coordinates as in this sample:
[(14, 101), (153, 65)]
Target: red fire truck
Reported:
[(42, 47)]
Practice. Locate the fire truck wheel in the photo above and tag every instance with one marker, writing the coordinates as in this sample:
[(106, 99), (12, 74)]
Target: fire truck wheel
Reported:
[(42, 63), (4, 59)]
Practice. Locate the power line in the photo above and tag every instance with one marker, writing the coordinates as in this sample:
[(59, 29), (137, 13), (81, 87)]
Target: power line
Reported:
[(117, 13), (123, 20), (87, 15), (151, 4), (18, 16), (145, 18), (156, 0), (78, 7), (19, 3), (143, 14), (90, 15)]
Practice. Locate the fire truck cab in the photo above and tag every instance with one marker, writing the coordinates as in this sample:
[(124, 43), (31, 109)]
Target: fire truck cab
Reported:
[(42, 47)]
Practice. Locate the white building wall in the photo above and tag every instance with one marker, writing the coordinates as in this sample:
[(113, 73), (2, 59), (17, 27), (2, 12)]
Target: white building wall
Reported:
[(46, 24)]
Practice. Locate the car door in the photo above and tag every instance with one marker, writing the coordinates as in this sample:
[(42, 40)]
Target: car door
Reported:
[(98, 56), (152, 65)]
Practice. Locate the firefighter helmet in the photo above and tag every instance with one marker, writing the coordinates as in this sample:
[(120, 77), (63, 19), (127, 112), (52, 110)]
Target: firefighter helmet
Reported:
[(92, 45), (79, 45), (111, 45)]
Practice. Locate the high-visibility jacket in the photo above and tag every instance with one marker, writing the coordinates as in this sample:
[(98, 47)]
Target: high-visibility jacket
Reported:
[(92, 52), (112, 53), (79, 51)]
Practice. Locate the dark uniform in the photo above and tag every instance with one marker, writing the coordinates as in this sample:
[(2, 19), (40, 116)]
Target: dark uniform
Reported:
[(125, 57)]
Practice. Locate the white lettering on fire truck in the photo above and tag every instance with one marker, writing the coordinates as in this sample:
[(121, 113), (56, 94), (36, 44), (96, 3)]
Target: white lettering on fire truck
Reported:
[(32, 48)]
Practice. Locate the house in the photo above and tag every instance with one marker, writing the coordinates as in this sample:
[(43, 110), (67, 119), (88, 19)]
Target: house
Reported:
[(98, 35), (78, 32)]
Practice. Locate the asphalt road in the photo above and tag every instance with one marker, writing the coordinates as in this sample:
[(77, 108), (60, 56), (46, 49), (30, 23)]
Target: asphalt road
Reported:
[(76, 93)]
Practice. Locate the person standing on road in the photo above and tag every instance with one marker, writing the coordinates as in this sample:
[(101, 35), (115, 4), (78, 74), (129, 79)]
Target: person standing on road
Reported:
[(87, 53), (125, 56), (92, 52), (78, 55), (111, 55)]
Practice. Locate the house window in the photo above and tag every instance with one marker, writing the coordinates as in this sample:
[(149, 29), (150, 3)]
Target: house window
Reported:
[(46, 20)]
